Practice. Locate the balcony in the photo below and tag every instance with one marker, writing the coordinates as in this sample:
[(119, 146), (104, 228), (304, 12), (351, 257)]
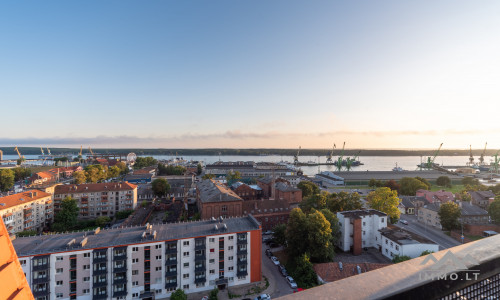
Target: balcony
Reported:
[(242, 273), (241, 251), (148, 294), (119, 293), (200, 246), (422, 278), (241, 241), (199, 257), (103, 283), (120, 268), (100, 271), (120, 280), (169, 250), (40, 280), (100, 259), (172, 272), (120, 256), (170, 285), (170, 262), (100, 297), (200, 268), (200, 279)]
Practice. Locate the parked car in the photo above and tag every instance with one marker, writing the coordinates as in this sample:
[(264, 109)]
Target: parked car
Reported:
[(273, 245), (404, 222), (263, 297), (268, 232), (275, 260), (283, 271), (266, 239), (292, 283), (269, 253)]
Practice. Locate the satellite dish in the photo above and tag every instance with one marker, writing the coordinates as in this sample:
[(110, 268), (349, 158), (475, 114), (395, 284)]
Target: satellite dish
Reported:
[(131, 157)]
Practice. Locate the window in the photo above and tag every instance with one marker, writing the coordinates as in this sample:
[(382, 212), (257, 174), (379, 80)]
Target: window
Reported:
[(364, 223), (211, 261), (23, 262), (364, 232), (224, 207), (86, 279), (211, 240), (386, 242), (158, 269), (185, 243), (86, 267), (135, 283), (242, 277), (134, 260), (382, 220), (186, 265), (186, 286), (212, 250), (212, 271), (59, 258), (59, 271), (135, 272), (230, 237), (230, 258), (135, 295), (59, 295), (397, 247), (230, 248), (186, 254), (59, 282), (230, 268), (86, 254), (158, 246), (86, 291), (185, 275), (135, 249)]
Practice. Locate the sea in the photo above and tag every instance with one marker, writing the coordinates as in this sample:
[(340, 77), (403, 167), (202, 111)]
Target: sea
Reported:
[(370, 163)]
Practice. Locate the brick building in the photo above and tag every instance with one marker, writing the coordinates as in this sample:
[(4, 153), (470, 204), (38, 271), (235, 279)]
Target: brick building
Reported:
[(246, 191), (98, 199), (214, 199), (482, 199), (282, 190), (441, 196), (268, 212)]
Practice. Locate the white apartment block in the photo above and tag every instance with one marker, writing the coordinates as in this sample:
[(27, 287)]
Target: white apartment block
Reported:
[(98, 199), (31, 210), (143, 262), (396, 241)]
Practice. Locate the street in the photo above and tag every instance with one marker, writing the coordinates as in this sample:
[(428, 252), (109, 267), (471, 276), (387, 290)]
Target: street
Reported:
[(437, 236), (278, 286)]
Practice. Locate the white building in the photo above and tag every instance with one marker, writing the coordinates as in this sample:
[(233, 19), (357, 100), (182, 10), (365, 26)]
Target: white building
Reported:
[(396, 241), (360, 229), (146, 262), (328, 179)]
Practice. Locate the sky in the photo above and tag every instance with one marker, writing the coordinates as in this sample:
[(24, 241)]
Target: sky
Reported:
[(250, 74)]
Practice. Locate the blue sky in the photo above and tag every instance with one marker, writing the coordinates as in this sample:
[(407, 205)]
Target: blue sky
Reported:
[(195, 74)]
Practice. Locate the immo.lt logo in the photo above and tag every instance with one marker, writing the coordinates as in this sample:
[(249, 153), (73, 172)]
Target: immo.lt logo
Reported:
[(448, 267)]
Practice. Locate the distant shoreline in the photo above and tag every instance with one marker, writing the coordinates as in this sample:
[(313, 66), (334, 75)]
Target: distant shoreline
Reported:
[(250, 152)]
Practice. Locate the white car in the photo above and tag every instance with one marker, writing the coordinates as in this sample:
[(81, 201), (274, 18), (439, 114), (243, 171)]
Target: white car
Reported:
[(292, 283), (275, 260), (263, 297), (404, 222)]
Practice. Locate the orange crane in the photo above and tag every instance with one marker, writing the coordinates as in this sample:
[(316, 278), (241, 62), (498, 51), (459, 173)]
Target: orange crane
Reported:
[(42, 151), (81, 148), (21, 157)]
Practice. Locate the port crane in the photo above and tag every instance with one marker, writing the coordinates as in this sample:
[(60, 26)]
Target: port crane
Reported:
[(340, 160), (91, 152), (430, 160), (481, 158), (80, 153), (329, 158), (21, 157), (296, 157), (48, 151), (496, 162), (471, 158), (42, 151)]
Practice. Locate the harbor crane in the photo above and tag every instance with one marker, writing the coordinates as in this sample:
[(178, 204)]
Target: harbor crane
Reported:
[(296, 157), (21, 157), (340, 160), (48, 151), (481, 158), (80, 153), (329, 158), (471, 158), (496, 162), (91, 152), (42, 151), (430, 160)]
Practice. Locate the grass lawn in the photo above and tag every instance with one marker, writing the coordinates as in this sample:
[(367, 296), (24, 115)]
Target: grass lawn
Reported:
[(457, 188), (474, 237)]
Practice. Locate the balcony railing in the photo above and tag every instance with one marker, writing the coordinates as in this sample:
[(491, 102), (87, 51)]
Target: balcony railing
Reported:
[(469, 271)]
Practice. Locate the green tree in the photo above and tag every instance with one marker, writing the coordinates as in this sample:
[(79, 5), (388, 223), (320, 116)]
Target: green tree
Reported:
[(398, 259), (444, 181), (208, 176), (123, 214), (343, 201), (161, 187), (114, 172), (142, 162), (319, 238), (449, 213), (465, 196), (178, 295), (410, 186), (426, 252), (171, 169), (334, 224), (296, 233), (279, 234), (385, 200), (79, 177), (233, 177), (123, 168), (199, 169), (21, 173), (308, 188), (66, 218), (213, 294), (303, 272), (6, 180), (494, 210), (95, 173), (470, 181), (314, 201), (102, 221), (424, 181)]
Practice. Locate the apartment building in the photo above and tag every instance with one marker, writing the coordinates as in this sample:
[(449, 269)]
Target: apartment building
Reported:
[(470, 214), (360, 229), (215, 199), (98, 199), (143, 262), (397, 241), (31, 210)]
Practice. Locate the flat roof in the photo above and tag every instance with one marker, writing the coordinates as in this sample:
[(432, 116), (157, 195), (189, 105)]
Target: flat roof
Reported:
[(362, 212), (388, 175), (46, 244), (403, 237)]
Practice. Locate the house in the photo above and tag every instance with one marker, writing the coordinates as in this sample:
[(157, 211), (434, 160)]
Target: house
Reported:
[(246, 191), (397, 241), (143, 262), (441, 196), (43, 177), (333, 271), (279, 189), (66, 172), (409, 204), (360, 229), (268, 212), (482, 199), (471, 214), (215, 200), (147, 170)]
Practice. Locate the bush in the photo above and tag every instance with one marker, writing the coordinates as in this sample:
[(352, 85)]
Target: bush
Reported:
[(178, 295), (26, 233), (398, 259), (123, 214), (213, 294)]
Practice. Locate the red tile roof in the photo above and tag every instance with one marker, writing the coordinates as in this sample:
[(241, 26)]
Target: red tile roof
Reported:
[(331, 271), (94, 187), (13, 200)]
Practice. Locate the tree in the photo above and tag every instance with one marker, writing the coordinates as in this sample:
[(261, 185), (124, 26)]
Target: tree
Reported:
[(308, 188), (426, 252), (123, 214), (319, 237), (178, 295), (279, 234), (142, 162), (95, 173), (208, 176), (470, 181), (213, 294), (398, 259), (296, 233), (424, 181), (21, 173), (233, 177), (494, 210), (410, 186), (199, 169), (393, 185), (334, 224), (444, 181), (303, 272), (375, 183), (114, 172), (314, 201), (343, 201), (6, 180), (102, 220), (79, 177), (161, 187), (123, 168), (449, 213), (66, 218), (385, 200), (170, 169), (465, 196)]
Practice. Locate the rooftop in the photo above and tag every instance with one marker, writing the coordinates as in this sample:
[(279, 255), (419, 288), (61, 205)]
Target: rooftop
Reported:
[(94, 187), (21, 198), (356, 214), (214, 191), (44, 244), (403, 237), (331, 271)]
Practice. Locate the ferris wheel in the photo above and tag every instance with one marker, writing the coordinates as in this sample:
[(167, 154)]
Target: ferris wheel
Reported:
[(131, 157)]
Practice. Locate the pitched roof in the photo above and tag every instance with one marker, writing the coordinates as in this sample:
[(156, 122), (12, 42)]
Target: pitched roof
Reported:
[(481, 195), (409, 201), (214, 191), (469, 209), (45, 174), (94, 187), (331, 271), (21, 198)]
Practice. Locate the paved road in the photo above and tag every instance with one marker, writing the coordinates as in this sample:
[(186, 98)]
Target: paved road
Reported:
[(278, 286), (437, 236)]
